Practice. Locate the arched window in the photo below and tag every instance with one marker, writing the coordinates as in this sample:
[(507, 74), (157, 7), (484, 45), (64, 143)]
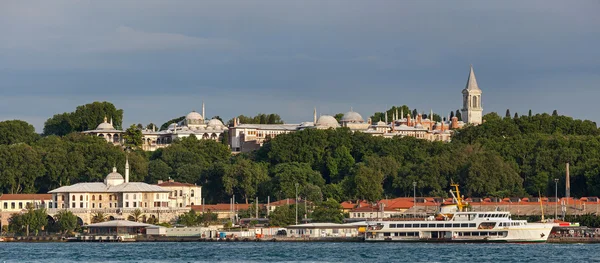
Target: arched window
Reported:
[(175, 193), (110, 197), (192, 193), (81, 198), (475, 102), (134, 196), (127, 196), (100, 197), (93, 198), (180, 193), (73, 197)]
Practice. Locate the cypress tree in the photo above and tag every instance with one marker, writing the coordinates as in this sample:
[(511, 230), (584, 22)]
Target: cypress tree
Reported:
[(554, 113), (507, 113)]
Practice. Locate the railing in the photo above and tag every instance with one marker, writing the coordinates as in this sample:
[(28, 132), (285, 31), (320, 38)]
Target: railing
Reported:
[(119, 210)]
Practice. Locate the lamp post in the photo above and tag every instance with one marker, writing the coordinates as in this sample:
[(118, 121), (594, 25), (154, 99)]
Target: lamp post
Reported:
[(556, 196), (415, 196), (296, 203)]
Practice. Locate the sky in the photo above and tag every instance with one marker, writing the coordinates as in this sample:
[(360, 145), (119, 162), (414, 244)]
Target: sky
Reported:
[(158, 60)]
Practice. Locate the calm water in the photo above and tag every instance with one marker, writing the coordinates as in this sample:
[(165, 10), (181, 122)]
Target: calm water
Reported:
[(295, 252)]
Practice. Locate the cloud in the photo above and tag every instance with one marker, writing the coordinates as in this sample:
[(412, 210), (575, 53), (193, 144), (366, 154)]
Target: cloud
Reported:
[(127, 39)]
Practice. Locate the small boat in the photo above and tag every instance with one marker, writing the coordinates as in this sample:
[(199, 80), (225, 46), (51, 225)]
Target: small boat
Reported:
[(455, 224)]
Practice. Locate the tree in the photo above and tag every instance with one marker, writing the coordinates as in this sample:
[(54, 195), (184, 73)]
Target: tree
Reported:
[(188, 219), (287, 175), (85, 117), (151, 126), (260, 118), (368, 183), (458, 115), (530, 114), (451, 115), (32, 220), (20, 167), (132, 137), (66, 220), (507, 115), (165, 125), (285, 215), (338, 117), (516, 116), (17, 131), (243, 177), (328, 211), (135, 216), (554, 113), (99, 217)]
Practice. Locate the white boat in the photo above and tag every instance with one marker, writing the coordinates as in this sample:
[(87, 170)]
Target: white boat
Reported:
[(454, 224)]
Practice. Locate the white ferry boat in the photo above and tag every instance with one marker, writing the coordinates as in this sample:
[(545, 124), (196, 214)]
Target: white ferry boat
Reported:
[(454, 224)]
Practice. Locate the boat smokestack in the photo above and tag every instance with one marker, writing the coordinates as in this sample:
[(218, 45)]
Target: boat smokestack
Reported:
[(568, 184)]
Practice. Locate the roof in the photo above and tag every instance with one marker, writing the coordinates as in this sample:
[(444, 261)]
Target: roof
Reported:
[(26, 197), (472, 82), (119, 223), (323, 225), (286, 127), (222, 207), (167, 184), (102, 188)]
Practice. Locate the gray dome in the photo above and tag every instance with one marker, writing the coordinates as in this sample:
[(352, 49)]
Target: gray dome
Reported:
[(381, 123), (194, 118), (105, 126), (352, 116), (215, 123), (114, 175), (327, 121)]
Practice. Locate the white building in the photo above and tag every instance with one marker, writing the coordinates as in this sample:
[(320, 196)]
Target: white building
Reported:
[(472, 111)]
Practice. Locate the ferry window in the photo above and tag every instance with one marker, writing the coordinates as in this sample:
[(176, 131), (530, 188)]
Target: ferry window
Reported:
[(464, 225), (392, 225), (402, 234), (447, 225), (472, 225), (400, 225), (460, 234), (431, 225), (423, 225), (440, 225), (386, 234), (467, 234), (455, 225), (493, 233)]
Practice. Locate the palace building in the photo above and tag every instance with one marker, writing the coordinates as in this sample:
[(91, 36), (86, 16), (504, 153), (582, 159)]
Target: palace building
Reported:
[(248, 137)]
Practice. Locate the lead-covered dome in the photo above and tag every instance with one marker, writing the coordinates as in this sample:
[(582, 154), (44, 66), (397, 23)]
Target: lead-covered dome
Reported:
[(215, 123), (114, 178), (327, 121), (105, 125), (352, 116), (194, 118)]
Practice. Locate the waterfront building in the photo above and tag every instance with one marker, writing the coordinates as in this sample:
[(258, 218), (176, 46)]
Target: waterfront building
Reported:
[(182, 194), (116, 197), (316, 230), (17, 203)]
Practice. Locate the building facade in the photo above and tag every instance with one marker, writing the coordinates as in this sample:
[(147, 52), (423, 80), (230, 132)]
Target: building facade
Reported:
[(182, 194), (472, 111)]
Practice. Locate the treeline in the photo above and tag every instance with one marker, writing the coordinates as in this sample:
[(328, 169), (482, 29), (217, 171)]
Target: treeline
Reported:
[(510, 156), (85, 117)]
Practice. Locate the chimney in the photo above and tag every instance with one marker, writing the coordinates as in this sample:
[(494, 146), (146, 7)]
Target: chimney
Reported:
[(126, 169), (568, 184)]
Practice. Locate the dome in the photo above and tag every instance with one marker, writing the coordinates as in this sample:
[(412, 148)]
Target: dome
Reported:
[(381, 123), (419, 126), (105, 125), (114, 178), (327, 121), (352, 116), (215, 123), (194, 118)]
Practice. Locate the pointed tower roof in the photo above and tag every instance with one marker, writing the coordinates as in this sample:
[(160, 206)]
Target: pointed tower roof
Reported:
[(472, 82)]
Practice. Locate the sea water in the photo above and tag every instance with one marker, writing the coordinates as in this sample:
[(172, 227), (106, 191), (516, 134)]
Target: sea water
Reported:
[(296, 252)]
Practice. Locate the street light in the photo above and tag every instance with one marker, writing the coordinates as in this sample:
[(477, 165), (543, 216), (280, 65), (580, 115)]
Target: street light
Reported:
[(556, 196), (415, 196), (296, 203)]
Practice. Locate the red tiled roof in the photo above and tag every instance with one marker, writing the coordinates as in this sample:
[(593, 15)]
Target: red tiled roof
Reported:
[(283, 202), (175, 184), (222, 207), (26, 197)]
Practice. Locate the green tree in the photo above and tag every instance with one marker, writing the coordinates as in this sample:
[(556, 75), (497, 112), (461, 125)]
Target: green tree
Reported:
[(98, 217), (66, 220), (458, 115), (285, 215), (132, 137), (165, 125), (338, 117), (243, 177), (85, 117), (151, 126), (368, 183), (33, 220), (20, 167), (188, 218), (17, 131), (136, 215), (287, 175), (328, 211)]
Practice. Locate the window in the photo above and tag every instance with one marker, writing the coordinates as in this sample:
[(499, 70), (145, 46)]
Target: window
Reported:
[(126, 204), (93, 205), (455, 225), (110, 198), (175, 193), (5, 205), (110, 205), (62, 198), (471, 224), (134, 196), (423, 225), (73, 205), (431, 225), (400, 225), (386, 234), (157, 196), (126, 196), (20, 205), (440, 225), (73, 197), (192, 193), (180, 193), (81, 205), (134, 204), (81, 198), (100, 197), (93, 198), (99, 205), (145, 204), (464, 225)]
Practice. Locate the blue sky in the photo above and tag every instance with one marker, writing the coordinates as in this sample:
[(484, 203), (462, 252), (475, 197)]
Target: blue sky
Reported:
[(158, 60)]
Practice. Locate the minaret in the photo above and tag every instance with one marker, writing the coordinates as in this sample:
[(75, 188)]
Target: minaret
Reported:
[(472, 112), (127, 169), (402, 113), (315, 116), (397, 115), (203, 116), (111, 121), (568, 184), (386, 119)]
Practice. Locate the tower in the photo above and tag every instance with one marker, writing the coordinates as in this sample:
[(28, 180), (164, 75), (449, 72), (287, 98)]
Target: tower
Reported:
[(472, 112), (127, 169)]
